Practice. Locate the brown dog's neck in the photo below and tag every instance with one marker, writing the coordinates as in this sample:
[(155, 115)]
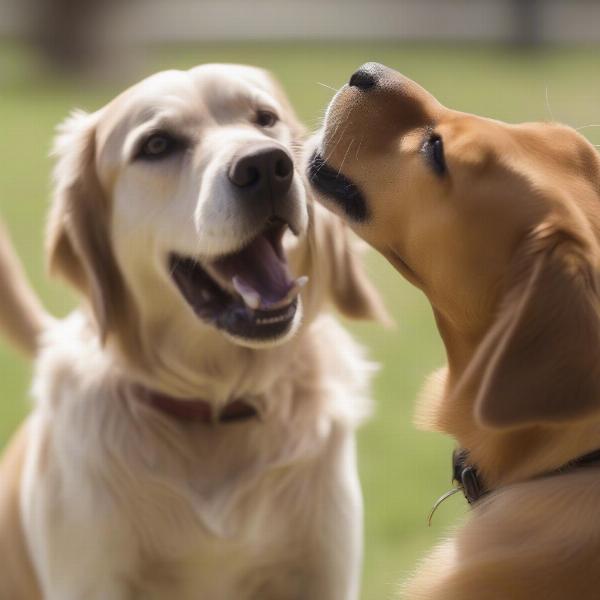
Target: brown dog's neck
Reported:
[(454, 413), (502, 456)]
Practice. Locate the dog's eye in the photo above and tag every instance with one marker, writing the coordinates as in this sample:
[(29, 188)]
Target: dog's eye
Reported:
[(158, 145), (266, 118), (434, 150)]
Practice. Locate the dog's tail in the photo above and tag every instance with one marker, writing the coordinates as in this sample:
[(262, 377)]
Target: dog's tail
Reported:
[(22, 316)]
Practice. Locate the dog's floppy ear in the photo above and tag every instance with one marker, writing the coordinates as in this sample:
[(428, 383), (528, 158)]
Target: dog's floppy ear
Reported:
[(540, 362), (78, 235), (339, 263)]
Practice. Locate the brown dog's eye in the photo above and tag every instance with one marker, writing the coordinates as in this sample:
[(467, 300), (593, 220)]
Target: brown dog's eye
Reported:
[(266, 118), (158, 145), (434, 151)]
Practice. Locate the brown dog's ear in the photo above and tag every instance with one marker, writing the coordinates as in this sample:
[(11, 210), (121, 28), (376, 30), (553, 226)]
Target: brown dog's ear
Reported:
[(339, 264), (78, 235), (540, 362)]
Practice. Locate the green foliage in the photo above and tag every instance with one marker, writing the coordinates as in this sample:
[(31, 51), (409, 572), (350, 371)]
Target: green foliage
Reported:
[(403, 471)]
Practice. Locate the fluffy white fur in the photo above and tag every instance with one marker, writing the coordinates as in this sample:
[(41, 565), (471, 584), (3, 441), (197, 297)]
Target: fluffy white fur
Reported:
[(120, 502)]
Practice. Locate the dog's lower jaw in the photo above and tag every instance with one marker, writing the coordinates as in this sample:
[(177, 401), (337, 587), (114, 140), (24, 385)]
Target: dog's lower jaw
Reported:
[(262, 344)]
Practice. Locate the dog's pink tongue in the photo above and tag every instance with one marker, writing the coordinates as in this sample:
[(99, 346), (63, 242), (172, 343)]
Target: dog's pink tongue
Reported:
[(260, 276)]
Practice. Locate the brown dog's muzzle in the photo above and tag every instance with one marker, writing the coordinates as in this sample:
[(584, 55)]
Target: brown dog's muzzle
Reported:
[(376, 107), (406, 100), (365, 121)]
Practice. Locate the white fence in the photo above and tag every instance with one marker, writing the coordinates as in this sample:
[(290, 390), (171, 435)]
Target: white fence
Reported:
[(194, 20)]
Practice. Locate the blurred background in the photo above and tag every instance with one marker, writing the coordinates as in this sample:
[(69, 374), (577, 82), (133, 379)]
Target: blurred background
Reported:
[(514, 60)]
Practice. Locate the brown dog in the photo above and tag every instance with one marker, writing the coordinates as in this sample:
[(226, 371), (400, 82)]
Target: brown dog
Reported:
[(499, 225)]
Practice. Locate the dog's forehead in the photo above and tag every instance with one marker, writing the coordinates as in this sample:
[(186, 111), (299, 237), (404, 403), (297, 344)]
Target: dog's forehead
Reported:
[(541, 166), (222, 74), (481, 141), (209, 86), (211, 90), (211, 93)]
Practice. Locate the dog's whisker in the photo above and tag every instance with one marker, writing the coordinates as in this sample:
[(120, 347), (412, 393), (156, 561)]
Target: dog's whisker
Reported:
[(362, 139), (335, 145), (339, 139), (345, 155), (335, 129), (327, 86)]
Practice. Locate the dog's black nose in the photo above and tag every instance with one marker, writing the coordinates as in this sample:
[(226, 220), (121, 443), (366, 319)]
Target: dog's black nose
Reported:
[(363, 79), (263, 169)]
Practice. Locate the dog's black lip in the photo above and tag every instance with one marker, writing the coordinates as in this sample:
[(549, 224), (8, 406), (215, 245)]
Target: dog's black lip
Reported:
[(335, 185)]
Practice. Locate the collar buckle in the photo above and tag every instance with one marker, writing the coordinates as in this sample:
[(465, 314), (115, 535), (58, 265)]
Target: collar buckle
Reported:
[(466, 476), (468, 482)]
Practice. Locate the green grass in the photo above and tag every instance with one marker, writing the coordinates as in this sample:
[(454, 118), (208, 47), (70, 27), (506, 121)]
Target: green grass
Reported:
[(402, 470)]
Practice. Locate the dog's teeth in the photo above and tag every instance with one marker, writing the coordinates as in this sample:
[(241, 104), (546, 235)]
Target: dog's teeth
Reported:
[(301, 281), (253, 300), (250, 296), (294, 291)]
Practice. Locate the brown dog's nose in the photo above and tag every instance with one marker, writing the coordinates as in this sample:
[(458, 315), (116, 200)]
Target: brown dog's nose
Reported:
[(263, 170), (365, 78)]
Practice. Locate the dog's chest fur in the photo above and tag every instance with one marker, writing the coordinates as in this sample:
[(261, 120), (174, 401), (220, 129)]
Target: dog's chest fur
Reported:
[(116, 494)]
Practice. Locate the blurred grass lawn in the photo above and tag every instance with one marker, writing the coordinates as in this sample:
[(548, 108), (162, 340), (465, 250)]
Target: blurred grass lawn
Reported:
[(403, 471)]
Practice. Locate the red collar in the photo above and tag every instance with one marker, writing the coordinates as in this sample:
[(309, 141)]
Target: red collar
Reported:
[(199, 410)]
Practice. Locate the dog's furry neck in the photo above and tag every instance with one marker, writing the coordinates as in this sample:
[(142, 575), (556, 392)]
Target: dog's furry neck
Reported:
[(502, 457), (301, 411)]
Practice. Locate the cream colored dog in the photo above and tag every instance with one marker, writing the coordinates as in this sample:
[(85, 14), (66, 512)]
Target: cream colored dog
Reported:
[(499, 225), (192, 435)]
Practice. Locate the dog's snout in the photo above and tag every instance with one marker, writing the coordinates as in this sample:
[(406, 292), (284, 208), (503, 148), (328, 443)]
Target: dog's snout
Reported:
[(263, 169), (365, 78)]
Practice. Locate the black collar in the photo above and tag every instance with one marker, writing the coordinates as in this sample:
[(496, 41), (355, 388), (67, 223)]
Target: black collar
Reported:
[(471, 485)]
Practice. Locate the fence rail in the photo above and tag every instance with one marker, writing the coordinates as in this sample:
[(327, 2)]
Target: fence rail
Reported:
[(558, 21)]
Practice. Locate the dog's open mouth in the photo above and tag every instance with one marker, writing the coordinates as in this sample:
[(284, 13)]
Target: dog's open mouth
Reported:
[(249, 294)]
